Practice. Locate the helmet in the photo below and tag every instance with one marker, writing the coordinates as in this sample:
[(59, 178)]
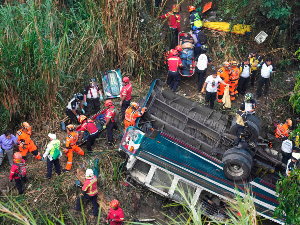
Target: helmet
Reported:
[(248, 96), (81, 118), (92, 80), (175, 52), (233, 63), (52, 136), (115, 203), (70, 127), (17, 157), (195, 28), (108, 103), (178, 48), (289, 122), (204, 48), (78, 96), (134, 105), (25, 125), (226, 64), (296, 155), (126, 79), (175, 8), (191, 8), (89, 174)]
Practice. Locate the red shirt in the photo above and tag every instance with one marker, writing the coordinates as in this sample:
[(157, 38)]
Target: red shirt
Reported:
[(90, 186), (117, 214), (110, 113), (126, 90), (89, 126), (174, 62), (174, 20), (15, 171)]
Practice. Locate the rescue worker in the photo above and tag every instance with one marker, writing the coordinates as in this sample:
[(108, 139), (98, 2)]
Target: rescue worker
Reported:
[(18, 171), (286, 150), (282, 130), (89, 191), (199, 40), (91, 96), (71, 146), (244, 76), (224, 74), (125, 96), (25, 142), (132, 113), (7, 142), (195, 17), (72, 107), (249, 104), (201, 66), (173, 76), (174, 25), (116, 215), (255, 60), (110, 122), (233, 80), (90, 127), (241, 120), (267, 68), (291, 164), (53, 154)]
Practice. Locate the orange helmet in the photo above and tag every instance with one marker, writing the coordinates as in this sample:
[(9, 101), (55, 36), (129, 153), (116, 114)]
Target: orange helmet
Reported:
[(108, 103), (17, 157), (178, 48), (126, 79), (226, 64), (233, 63), (134, 105), (289, 122), (70, 127), (81, 118), (175, 52), (175, 8), (25, 125), (192, 8), (115, 203)]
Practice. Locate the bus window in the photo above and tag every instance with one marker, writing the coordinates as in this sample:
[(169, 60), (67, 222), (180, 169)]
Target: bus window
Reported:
[(162, 180)]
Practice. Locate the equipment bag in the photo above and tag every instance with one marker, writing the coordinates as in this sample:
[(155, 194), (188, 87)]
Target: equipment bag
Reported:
[(201, 37), (21, 170)]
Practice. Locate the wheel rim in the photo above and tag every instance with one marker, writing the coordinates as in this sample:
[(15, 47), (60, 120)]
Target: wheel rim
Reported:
[(235, 170)]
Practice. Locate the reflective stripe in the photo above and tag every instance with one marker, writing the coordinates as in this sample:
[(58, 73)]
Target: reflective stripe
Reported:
[(69, 162)]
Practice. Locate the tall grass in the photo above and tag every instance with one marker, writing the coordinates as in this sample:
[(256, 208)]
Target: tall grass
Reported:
[(48, 52)]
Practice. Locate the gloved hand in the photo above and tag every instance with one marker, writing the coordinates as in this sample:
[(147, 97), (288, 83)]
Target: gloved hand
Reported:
[(247, 112), (42, 159), (85, 104), (101, 98), (1, 150), (77, 116), (212, 67), (83, 111), (259, 65), (271, 71), (104, 127)]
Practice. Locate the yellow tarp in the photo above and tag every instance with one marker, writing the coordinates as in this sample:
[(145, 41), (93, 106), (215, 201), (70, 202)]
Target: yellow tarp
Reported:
[(224, 26)]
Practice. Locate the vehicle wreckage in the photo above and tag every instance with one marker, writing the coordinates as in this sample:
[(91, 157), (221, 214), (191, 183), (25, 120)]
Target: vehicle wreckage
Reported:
[(180, 143)]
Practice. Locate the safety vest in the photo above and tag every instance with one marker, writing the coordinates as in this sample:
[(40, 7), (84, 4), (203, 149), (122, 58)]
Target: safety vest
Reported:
[(72, 138), (54, 152), (255, 60), (234, 76), (197, 21), (90, 186), (282, 130)]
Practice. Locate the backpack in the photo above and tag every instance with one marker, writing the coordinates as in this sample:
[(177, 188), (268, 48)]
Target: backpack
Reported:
[(201, 37), (21, 169)]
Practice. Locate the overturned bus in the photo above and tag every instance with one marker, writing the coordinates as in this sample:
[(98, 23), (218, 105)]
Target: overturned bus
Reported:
[(179, 143)]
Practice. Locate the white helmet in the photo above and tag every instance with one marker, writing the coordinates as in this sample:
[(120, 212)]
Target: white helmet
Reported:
[(52, 136), (296, 155), (89, 174)]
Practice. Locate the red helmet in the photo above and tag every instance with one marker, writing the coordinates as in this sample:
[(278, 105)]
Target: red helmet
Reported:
[(175, 52), (175, 8), (178, 48), (81, 118), (108, 103), (25, 125), (17, 157), (126, 79), (191, 8), (115, 203)]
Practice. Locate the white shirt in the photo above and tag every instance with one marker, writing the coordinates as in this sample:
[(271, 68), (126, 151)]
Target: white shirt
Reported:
[(248, 107), (246, 71), (202, 62), (287, 146), (265, 70), (94, 91), (72, 103), (212, 83)]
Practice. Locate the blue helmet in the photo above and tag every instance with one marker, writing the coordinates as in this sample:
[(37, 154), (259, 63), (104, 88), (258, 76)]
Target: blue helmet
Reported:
[(195, 28)]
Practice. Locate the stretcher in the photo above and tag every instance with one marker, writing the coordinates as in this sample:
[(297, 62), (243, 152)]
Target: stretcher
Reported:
[(224, 26), (187, 59), (112, 83)]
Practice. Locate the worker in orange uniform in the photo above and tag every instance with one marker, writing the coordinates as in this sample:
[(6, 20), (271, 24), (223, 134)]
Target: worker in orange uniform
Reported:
[(233, 80), (282, 131), (116, 215), (173, 76), (224, 74), (174, 24), (71, 146), (132, 113), (25, 142)]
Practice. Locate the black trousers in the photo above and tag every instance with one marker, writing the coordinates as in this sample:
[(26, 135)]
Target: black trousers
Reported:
[(92, 103), (93, 200), (285, 157), (261, 82), (174, 80), (211, 98), (91, 140), (173, 37), (124, 106), (242, 85), (252, 77), (71, 117), (239, 134), (109, 131), (19, 184), (50, 166), (201, 76)]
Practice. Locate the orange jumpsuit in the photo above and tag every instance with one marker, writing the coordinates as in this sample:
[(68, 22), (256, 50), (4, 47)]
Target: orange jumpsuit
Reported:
[(131, 115), (233, 82), (71, 146), (224, 74), (26, 144), (282, 130)]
